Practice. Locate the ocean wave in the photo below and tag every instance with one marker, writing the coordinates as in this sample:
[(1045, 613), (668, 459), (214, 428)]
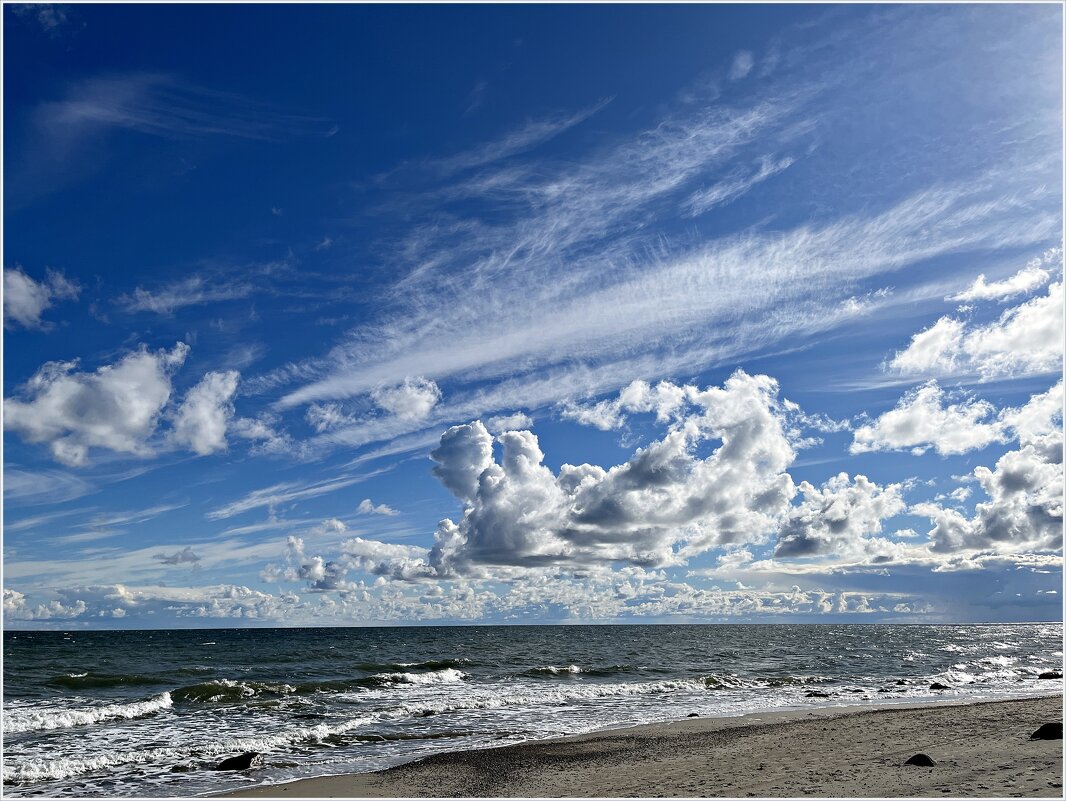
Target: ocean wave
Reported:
[(499, 697), (552, 670), (56, 768), (226, 690), (428, 664), (445, 676), (44, 719)]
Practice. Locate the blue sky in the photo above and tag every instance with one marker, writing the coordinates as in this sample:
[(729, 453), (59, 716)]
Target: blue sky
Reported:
[(346, 315)]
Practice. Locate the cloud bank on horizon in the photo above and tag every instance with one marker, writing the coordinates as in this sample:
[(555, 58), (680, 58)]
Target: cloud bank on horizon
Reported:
[(767, 325)]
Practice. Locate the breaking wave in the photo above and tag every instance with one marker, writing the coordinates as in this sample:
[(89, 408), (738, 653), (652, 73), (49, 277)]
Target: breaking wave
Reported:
[(445, 676), (60, 768), (19, 720)]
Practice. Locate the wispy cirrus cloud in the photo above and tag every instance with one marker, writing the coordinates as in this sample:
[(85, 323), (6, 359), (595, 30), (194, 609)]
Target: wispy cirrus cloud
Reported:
[(519, 140), (279, 494), (194, 290), (531, 283), (737, 184), (68, 138), (163, 105)]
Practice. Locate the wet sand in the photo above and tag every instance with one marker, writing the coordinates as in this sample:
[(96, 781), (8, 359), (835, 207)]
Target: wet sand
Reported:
[(981, 750)]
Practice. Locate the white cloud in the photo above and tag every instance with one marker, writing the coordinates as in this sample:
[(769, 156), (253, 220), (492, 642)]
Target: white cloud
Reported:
[(665, 399), (742, 64), (116, 408), (200, 422), (734, 186), (838, 518), (510, 422), (367, 507), (279, 494), (159, 105), (412, 400), (192, 291), (265, 432), (660, 507), (527, 137), (922, 420), (1033, 276), (25, 300), (16, 607), (326, 416), (1024, 489), (1026, 339)]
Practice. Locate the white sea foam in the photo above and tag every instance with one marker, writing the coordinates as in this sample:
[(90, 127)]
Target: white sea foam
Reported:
[(52, 768), (42, 719), (499, 697), (445, 676)]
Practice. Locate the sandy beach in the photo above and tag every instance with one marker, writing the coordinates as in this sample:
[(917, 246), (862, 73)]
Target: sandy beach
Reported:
[(981, 750)]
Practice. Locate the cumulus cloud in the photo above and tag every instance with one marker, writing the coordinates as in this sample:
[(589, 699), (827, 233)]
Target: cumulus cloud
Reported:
[(510, 422), (665, 399), (838, 517), (1024, 489), (200, 422), (17, 607), (414, 399), (1026, 339), (116, 408), (25, 300), (921, 420), (367, 507), (265, 433), (1034, 275), (663, 505)]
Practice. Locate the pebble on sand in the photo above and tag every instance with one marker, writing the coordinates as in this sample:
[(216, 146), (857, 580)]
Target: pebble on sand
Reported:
[(921, 760)]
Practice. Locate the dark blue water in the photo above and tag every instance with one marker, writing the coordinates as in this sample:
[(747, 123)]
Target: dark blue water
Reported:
[(148, 713)]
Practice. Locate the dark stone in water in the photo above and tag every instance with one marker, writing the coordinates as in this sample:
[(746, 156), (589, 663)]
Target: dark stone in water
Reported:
[(854, 690), (921, 760), (816, 694), (936, 685), (1049, 731), (242, 762), (901, 681), (181, 769), (1051, 674), (693, 715)]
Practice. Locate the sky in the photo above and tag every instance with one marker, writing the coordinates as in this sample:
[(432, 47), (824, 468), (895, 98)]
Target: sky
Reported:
[(362, 315)]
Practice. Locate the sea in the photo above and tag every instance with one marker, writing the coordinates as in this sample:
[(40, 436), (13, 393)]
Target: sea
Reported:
[(151, 713)]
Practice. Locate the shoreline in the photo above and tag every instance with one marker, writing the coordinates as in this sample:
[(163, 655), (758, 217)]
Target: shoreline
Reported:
[(981, 747)]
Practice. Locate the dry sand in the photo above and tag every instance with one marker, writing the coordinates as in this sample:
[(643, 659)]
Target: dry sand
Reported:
[(981, 749)]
